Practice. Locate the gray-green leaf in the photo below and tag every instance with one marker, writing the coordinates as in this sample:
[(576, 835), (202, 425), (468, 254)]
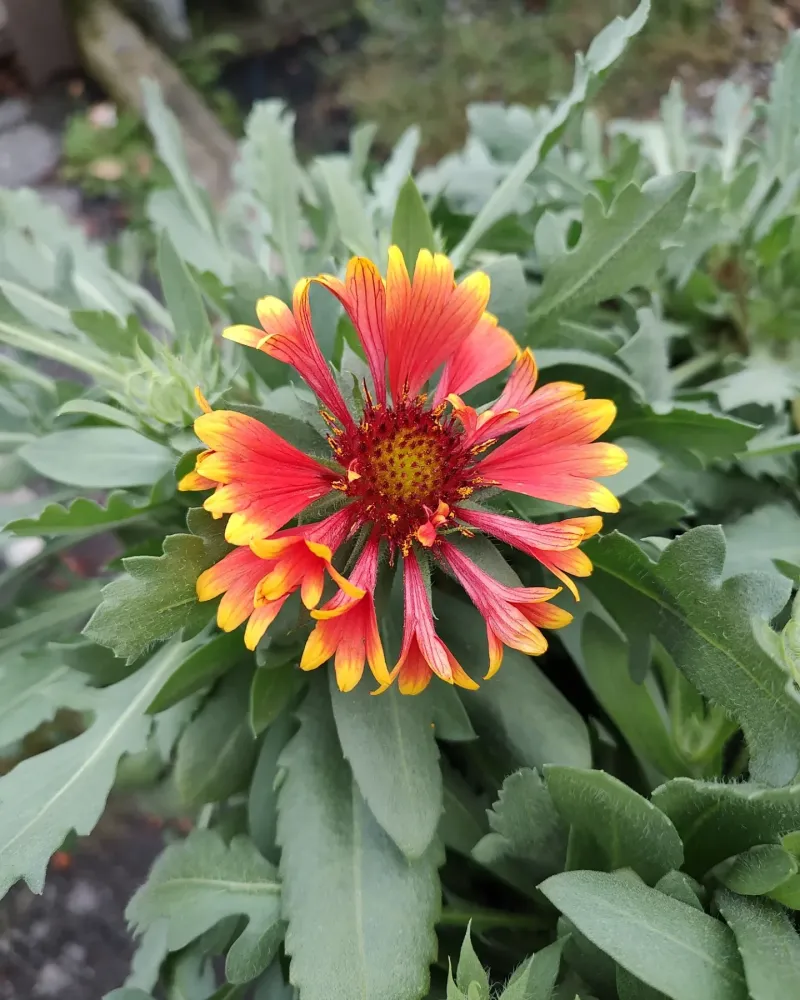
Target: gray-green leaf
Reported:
[(98, 458), (670, 946), (195, 884)]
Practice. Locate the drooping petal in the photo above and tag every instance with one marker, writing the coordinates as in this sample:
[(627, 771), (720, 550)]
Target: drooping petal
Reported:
[(512, 614), (484, 353), (573, 562), (347, 628), (289, 337), (553, 457), (427, 318), (262, 481), (422, 648), (363, 296)]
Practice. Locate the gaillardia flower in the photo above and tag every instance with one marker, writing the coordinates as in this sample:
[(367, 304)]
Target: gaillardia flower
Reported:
[(407, 474)]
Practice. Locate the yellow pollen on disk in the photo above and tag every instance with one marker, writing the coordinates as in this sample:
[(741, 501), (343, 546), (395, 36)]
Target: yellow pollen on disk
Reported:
[(407, 466)]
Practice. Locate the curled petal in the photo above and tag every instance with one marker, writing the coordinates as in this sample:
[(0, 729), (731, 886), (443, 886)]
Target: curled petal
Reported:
[(427, 318)]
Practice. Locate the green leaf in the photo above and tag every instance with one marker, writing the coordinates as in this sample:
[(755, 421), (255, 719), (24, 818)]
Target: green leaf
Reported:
[(783, 116), (757, 870), (788, 893), (157, 596), (785, 446), (348, 892), (768, 943), (668, 945), (217, 750), (83, 516), (195, 884), (127, 993), (604, 51), (49, 618), (525, 826), (617, 251), (520, 713), (390, 746), (200, 669), (629, 830), (705, 624), (64, 789), (98, 458), (411, 226), (509, 295), (647, 356), (717, 821), (271, 692), (269, 169), (711, 435), (103, 411), (183, 298), (262, 800), (756, 540), (169, 146), (450, 720), (348, 203), (536, 979), (682, 887), (32, 689), (470, 970), (112, 336), (637, 710), (631, 988)]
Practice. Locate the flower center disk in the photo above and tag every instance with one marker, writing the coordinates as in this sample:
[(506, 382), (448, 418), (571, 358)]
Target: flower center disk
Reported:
[(401, 461)]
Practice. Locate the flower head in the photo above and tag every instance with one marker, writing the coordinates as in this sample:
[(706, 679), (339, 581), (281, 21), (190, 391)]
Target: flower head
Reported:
[(409, 472)]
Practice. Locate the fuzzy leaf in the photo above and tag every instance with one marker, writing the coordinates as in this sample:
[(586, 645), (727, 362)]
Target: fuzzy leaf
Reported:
[(262, 799), (183, 298), (195, 884), (617, 251), (756, 540), (768, 944), (49, 618), (783, 115), (270, 693), (32, 689), (157, 595), (629, 830), (712, 435), (536, 979), (64, 789), (83, 516), (217, 750), (520, 712), (705, 624), (348, 891), (470, 970), (390, 746), (668, 945), (200, 669), (98, 458), (525, 826), (717, 821), (758, 870)]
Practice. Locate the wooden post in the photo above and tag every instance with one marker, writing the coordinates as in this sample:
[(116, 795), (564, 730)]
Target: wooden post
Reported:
[(118, 56), (40, 35)]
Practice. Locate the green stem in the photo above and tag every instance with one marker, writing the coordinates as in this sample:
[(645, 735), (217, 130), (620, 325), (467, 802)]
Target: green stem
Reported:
[(489, 919)]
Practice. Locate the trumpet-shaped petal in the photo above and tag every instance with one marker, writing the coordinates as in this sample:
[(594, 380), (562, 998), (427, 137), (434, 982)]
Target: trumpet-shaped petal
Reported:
[(262, 481), (514, 615), (423, 653), (347, 628), (428, 318)]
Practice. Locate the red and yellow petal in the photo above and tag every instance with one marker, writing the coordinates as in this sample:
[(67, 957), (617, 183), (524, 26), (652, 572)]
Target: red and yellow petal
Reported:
[(428, 317), (485, 352)]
